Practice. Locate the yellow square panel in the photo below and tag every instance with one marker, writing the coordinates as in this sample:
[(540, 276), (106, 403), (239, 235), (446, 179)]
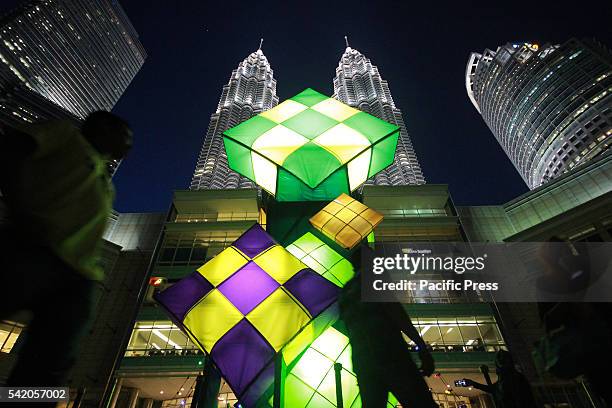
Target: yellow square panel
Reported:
[(333, 207), (211, 318), (278, 143), (343, 142), (265, 173), (361, 226), (372, 217), (335, 109), (348, 237), (222, 266), (278, 318), (279, 263), (344, 199), (284, 111), (345, 215), (333, 226), (351, 222), (357, 207), (320, 219)]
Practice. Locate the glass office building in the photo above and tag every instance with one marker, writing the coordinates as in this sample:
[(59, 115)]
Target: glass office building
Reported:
[(548, 106), (79, 55), (358, 83), (250, 90)]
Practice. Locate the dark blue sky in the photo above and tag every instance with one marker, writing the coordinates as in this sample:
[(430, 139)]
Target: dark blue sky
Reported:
[(421, 49)]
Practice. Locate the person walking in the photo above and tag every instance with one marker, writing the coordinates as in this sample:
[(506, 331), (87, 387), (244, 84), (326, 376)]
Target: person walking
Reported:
[(381, 359), (55, 184)]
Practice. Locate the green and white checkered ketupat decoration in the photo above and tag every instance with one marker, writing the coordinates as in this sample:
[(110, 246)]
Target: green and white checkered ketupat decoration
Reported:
[(310, 147)]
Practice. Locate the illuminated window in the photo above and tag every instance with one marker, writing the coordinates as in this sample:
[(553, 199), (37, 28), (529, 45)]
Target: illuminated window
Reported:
[(9, 332)]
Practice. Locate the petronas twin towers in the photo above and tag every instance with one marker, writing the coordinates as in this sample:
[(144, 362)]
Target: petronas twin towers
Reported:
[(252, 89)]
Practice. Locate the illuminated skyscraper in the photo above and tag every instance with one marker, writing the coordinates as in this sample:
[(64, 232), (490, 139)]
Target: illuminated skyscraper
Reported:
[(251, 89), (549, 107), (79, 55), (359, 84)]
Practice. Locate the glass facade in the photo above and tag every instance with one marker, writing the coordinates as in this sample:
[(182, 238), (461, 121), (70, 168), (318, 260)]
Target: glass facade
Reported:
[(462, 334), (194, 248), (9, 333), (159, 338), (81, 56), (549, 107)]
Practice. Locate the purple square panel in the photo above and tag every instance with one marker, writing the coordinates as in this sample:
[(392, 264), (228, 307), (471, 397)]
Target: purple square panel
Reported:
[(181, 296), (312, 290), (254, 241), (248, 287), (240, 355)]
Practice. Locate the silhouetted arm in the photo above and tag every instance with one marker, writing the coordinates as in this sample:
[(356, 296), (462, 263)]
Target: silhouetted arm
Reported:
[(398, 315), (482, 387)]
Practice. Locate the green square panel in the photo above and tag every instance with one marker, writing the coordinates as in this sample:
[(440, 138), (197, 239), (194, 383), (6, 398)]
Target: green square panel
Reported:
[(322, 258), (383, 154), (247, 132), (310, 123), (309, 97), (370, 126), (239, 158), (316, 140), (291, 188), (311, 163)]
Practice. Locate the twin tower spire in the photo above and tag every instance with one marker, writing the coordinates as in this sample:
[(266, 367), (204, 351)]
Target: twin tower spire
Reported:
[(251, 89)]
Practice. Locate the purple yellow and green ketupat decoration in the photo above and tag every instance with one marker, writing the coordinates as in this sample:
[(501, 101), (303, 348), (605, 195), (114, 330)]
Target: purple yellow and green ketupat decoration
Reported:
[(245, 304)]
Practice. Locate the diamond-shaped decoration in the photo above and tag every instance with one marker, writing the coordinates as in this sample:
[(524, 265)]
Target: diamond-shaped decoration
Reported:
[(321, 258), (311, 147), (246, 304), (346, 221)]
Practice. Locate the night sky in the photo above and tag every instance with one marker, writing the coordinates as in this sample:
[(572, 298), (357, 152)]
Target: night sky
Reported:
[(421, 49)]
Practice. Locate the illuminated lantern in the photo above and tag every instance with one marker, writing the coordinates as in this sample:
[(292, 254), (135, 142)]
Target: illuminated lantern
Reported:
[(311, 380), (346, 221), (310, 148), (321, 258), (245, 304)]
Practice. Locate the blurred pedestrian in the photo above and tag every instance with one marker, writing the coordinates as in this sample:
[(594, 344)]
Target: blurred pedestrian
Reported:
[(55, 183), (381, 359), (578, 333), (511, 390)]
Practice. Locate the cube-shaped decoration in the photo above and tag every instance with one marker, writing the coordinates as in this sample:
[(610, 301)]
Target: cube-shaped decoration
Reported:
[(245, 304), (310, 148), (311, 381), (346, 221), (321, 258)]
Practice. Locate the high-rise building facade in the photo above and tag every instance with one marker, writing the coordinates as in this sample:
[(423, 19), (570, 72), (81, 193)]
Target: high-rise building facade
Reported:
[(250, 90), (549, 107), (359, 84), (80, 55)]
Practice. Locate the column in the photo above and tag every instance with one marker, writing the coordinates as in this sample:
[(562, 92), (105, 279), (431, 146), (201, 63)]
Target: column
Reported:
[(133, 397), (116, 392)]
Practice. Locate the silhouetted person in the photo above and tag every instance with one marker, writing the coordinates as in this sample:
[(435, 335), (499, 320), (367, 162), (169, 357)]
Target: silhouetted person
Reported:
[(512, 390), (55, 182), (582, 331), (381, 359)]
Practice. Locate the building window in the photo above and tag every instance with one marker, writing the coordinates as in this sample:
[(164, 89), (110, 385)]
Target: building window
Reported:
[(159, 338), (9, 332), (463, 334)]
